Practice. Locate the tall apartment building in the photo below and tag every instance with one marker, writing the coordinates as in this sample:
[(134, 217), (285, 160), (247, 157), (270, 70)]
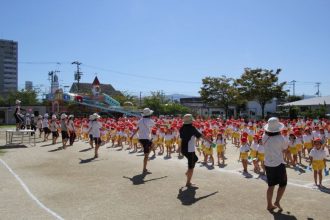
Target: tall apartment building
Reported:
[(8, 67)]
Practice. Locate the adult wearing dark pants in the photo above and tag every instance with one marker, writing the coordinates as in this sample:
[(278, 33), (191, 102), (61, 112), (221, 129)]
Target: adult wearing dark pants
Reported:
[(144, 132), (188, 135), (274, 144)]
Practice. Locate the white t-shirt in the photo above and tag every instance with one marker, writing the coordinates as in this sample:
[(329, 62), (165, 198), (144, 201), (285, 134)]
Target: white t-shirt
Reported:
[(318, 154), (145, 125), (45, 123), (274, 147), (307, 138), (261, 149), (244, 148), (95, 131)]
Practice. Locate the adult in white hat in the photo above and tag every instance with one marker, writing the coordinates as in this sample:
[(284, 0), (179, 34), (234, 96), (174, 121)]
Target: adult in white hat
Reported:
[(144, 132), (188, 135), (275, 145), (94, 130)]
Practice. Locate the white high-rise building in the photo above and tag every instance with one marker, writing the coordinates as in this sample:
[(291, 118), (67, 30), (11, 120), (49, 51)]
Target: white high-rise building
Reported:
[(8, 67)]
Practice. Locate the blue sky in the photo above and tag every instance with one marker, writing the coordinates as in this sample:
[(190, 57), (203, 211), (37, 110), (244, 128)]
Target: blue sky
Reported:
[(169, 45)]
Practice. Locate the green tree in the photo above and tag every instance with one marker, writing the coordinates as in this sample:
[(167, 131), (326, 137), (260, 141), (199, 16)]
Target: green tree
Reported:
[(293, 98), (26, 97), (220, 91), (175, 109), (156, 101), (125, 97), (261, 85)]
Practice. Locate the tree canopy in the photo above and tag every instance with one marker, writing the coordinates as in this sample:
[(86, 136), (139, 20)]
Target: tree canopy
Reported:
[(220, 91), (261, 85)]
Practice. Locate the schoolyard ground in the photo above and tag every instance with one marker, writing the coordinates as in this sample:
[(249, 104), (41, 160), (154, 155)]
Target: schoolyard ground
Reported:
[(44, 182)]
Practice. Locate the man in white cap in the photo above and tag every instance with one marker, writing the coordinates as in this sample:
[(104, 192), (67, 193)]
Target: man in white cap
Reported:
[(144, 132), (188, 135), (274, 144)]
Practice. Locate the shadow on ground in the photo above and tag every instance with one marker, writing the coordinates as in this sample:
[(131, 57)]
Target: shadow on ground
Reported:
[(13, 146), (283, 216), (83, 161), (140, 178), (188, 196)]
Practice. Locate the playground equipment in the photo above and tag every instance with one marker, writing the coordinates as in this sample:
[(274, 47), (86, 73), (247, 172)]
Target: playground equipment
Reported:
[(96, 100)]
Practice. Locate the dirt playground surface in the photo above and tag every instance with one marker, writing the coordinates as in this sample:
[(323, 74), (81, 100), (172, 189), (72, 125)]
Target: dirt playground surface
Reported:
[(44, 182)]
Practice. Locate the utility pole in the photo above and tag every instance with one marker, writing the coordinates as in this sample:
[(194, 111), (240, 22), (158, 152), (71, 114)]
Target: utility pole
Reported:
[(294, 87), (318, 88), (78, 74), (140, 99)]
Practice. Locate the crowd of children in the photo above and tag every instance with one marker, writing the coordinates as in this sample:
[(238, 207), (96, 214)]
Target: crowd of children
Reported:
[(307, 140)]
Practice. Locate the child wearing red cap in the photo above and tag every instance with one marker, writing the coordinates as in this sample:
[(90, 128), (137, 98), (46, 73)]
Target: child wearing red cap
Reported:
[(261, 155), (317, 160), (208, 150), (168, 142), (307, 139), (299, 144), (244, 151), (253, 153), (293, 152), (221, 144)]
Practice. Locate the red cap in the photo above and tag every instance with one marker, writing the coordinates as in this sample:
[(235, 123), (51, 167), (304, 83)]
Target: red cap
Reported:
[(244, 140)]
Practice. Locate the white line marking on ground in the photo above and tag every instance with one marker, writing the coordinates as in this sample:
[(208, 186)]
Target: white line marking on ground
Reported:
[(27, 190)]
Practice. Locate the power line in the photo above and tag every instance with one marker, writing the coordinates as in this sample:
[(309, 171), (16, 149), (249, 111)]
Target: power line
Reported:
[(140, 76)]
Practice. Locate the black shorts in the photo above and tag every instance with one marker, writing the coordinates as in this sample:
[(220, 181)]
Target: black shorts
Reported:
[(97, 141), (192, 159), (65, 135), (46, 130), (91, 137), (276, 175), (146, 144), (54, 134)]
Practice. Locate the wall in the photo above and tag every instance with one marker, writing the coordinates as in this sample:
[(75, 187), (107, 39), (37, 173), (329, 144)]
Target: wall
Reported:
[(7, 113)]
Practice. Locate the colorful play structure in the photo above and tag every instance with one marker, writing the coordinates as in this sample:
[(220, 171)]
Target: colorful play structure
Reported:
[(96, 100)]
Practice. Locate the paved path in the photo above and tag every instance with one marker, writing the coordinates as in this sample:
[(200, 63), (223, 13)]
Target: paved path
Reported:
[(73, 186)]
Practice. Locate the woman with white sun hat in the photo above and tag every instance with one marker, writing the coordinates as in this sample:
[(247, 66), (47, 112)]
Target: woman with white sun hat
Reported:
[(94, 130), (144, 132), (274, 144)]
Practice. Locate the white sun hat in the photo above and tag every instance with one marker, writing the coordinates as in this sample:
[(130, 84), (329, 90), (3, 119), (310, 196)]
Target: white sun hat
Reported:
[(96, 116), (188, 119), (39, 116), (91, 118), (63, 116), (53, 116), (147, 112), (46, 115), (71, 116), (273, 125), (18, 102)]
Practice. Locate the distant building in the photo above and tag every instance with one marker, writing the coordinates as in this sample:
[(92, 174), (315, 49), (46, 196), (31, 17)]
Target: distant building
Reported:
[(8, 67), (252, 108), (311, 103), (198, 107), (96, 87), (54, 84), (28, 85)]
